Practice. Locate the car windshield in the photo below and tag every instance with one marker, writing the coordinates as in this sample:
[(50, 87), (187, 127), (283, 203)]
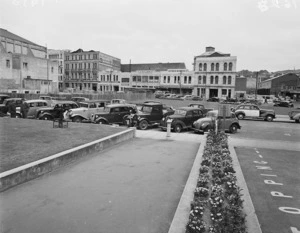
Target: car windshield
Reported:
[(180, 112), (106, 109), (212, 114), (146, 109)]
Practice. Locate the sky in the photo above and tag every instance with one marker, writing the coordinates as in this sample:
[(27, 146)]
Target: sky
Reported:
[(263, 34)]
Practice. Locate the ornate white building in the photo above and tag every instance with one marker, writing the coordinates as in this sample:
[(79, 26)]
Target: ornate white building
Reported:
[(215, 74)]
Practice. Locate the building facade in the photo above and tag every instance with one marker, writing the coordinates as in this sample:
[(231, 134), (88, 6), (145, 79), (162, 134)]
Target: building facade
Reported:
[(24, 66), (59, 57), (83, 68), (215, 74)]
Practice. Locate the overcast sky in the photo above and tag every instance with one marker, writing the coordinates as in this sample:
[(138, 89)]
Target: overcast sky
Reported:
[(263, 34)]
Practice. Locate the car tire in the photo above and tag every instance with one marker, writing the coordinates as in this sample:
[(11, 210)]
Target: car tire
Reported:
[(177, 128), (46, 118), (102, 122), (269, 118), (77, 119), (297, 121), (143, 125), (18, 115), (233, 128), (240, 116)]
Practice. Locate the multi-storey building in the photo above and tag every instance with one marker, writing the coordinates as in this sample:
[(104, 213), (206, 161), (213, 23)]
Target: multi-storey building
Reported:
[(215, 74), (82, 68), (24, 66), (59, 57)]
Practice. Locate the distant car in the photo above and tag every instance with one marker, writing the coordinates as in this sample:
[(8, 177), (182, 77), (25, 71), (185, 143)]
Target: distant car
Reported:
[(295, 115), (253, 101), (202, 125), (172, 96), (284, 104), (253, 111), (196, 98), (50, 113), (79, 99), (114, 113), (4, 106), (86, 110), (182, 119), (200, 106), (187, 97), (3, 97), (230, 101), (34, 105), (118, 101), (49, 99), (213, 99), (167, 110)]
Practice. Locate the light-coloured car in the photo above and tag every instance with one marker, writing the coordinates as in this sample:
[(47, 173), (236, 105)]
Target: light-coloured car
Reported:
[(34, 105), (86, 110)]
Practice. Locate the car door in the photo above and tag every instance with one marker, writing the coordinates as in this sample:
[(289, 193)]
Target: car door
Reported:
[(247, 111), (115, 114), (156, 114), (196, 115), (254, 111), (123, 112)]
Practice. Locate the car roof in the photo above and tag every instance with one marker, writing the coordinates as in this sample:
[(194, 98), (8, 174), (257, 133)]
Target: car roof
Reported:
[(14, 99), (152, 104), (188, 108), (120, 105), (94, 101), (36, 100), (64, 102)]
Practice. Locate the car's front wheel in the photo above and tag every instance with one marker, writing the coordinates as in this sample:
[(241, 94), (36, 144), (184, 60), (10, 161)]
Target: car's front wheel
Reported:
[(233, 128), (143, 125), (77, 119), (178, 128), (46, 118), (240, 116), (269, 118)]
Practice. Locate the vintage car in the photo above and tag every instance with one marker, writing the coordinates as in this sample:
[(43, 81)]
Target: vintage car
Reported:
[(149, 115), (213, 99), (295, 115), (287, 104), (3, 97), (196, 98), (34, 105), (79, 99), (200, 106), (114, 113), (253, 111), (51, 113), (167, 110), (182, 119), (85, 110), (118, 101), (230, 123), (4, 106)]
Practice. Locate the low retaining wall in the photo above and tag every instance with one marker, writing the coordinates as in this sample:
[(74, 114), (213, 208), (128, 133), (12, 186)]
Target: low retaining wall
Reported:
[(35, 169)]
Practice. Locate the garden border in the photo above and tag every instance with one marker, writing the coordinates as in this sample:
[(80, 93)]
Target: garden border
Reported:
[(22, 174), (181, 216)]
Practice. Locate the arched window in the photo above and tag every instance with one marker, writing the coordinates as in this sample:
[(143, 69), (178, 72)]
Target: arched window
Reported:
[(217, 67), (229, 80), (225, 66), (212, 67), (199, 79), (204, 67), (200, 67), (216, 80), (230, 66), (211, 79), (224, 79), (204, 79)]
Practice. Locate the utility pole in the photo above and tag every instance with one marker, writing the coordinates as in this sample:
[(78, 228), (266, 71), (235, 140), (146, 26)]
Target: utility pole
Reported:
[(180, 83), (256, 85)]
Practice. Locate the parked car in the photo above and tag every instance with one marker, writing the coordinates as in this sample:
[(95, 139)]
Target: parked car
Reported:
[(287, 104), (85, 110), (79, 99), (295, 115), (50, 113), (149, 115), (213, 99), (253, 111), (254, 101), (34, 105), (196, 98), (118, 101), (49, 99), (3, 97), (200, 106), (182, 119), (114, 113), (4, 106), (202, 125), (172, 96), (187, 97), (167, 110), (230, 101)]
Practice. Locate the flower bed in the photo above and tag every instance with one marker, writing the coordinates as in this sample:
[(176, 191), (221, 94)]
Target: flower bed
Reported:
[(217, 206)]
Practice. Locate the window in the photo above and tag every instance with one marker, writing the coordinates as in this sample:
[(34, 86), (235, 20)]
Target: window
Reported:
[(217, 67), (224, 79), (224, 91), (229, 80), (230, 66), (185, 79), (175, 79), (225, 66), (212, 67), (199, 79), (211, 79), (52, 69), (165, 79), (94, 56), (168, 79), (204, 79), (134, 78), (200, 67), (7, 63), (25, 65), (189, 114), (95, 65), (204, 67), (190, 79), (216, 80)]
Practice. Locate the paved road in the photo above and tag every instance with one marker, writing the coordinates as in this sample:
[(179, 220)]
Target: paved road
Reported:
[(133, 188), (273, 147)]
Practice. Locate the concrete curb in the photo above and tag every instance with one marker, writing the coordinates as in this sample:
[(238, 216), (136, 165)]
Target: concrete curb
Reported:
[(182, 213), (251, 218), (19, 175)]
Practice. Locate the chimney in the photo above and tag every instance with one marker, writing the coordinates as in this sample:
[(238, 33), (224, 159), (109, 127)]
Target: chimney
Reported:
[(210, 49)]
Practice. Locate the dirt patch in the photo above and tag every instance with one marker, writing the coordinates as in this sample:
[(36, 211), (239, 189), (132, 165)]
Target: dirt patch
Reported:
[(23, 141)]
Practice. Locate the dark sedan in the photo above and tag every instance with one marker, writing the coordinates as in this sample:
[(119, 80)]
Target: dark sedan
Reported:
[(284, 104)]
